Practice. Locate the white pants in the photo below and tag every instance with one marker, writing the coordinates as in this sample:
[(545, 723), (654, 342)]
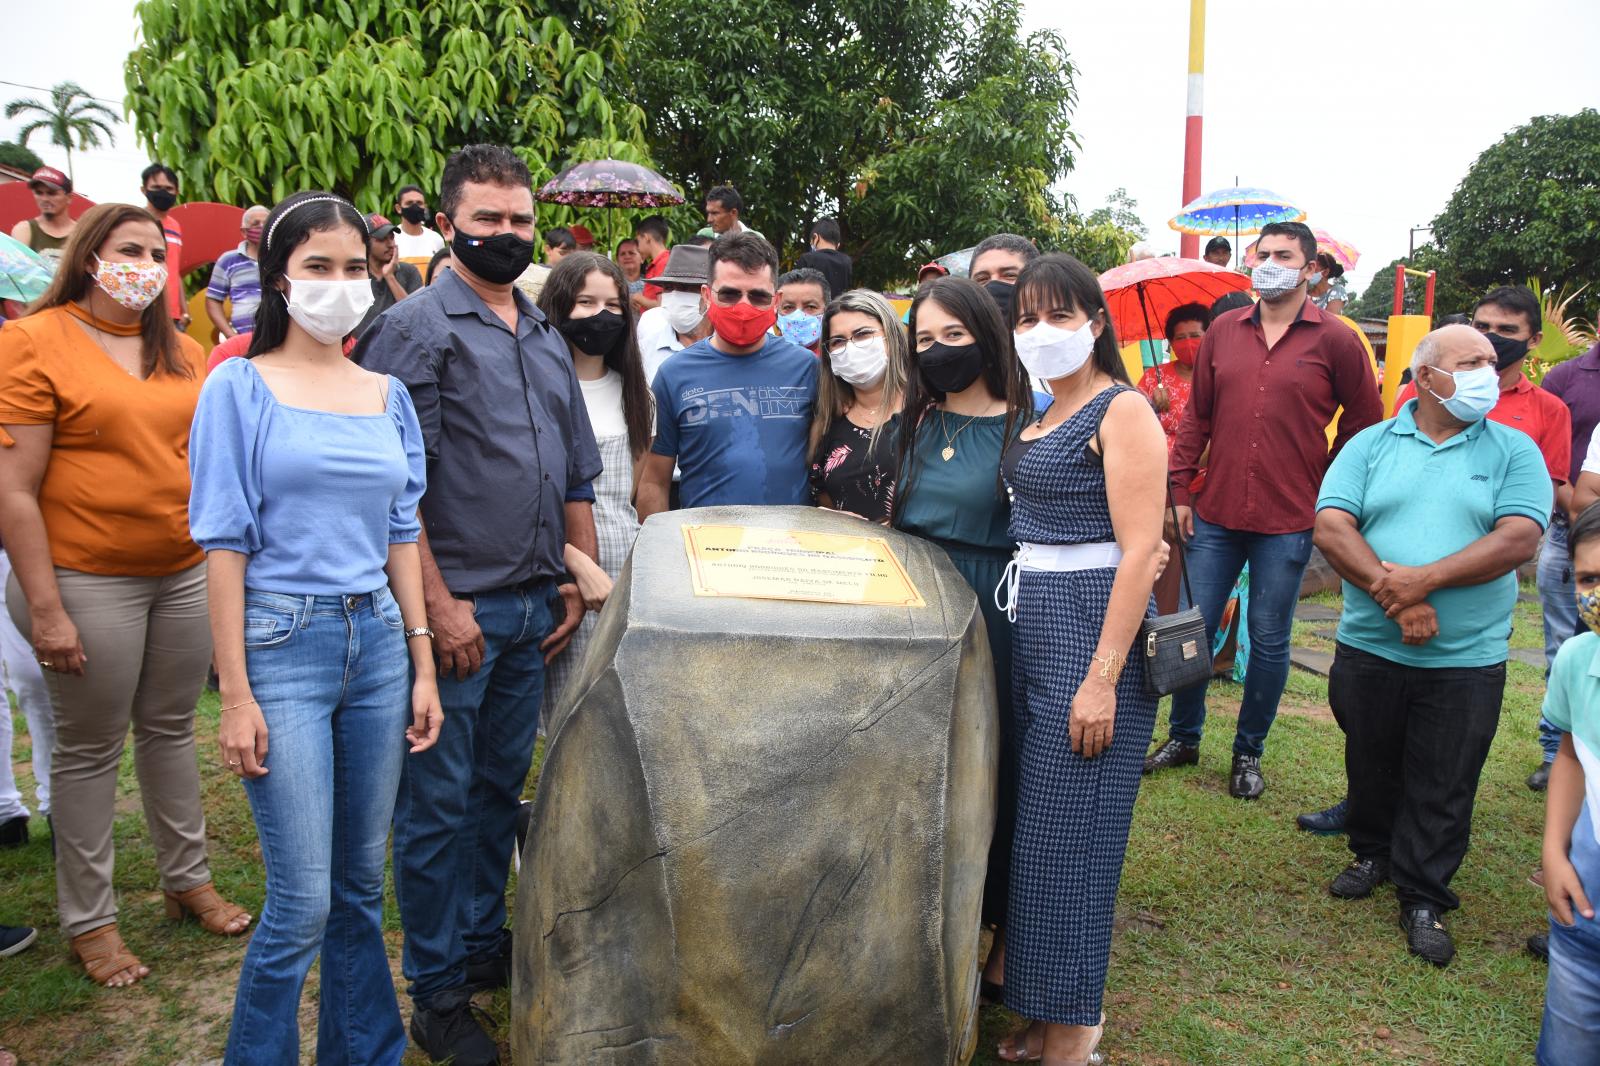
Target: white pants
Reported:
[(20, 675)]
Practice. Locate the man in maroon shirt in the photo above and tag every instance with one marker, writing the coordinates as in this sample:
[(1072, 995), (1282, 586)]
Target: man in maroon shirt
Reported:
[(1267, 382)]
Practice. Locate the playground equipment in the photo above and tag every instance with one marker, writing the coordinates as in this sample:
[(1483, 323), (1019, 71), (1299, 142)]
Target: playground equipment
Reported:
[(1405, 330)]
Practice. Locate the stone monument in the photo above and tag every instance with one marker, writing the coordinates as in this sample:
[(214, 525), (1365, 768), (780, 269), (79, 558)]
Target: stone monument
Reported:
[(761, 830)]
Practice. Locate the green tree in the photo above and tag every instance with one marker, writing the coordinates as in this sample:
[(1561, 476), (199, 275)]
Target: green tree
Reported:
[(1122, 211), (1529, 207), (73, 118), (923, 125), (1451, 293), (256, 99), (17, 157)]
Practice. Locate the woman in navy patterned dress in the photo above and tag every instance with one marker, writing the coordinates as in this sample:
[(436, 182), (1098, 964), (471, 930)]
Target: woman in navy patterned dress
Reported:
[(1087, 483)]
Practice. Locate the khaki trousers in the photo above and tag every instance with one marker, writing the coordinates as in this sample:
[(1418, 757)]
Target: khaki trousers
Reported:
[(148, 643)]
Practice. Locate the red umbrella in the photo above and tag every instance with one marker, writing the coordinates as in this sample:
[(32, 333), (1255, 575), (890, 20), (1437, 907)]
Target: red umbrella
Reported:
[(1140, 295)]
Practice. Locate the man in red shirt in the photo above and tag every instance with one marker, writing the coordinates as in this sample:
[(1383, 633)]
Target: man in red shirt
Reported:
[(651, 234), (159, 183), (1267, 382)]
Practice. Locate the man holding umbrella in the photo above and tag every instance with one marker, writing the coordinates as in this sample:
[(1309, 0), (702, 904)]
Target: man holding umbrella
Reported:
[(1268, 381)]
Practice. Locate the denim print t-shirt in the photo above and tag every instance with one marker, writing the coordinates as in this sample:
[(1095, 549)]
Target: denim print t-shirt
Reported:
[(738, 424)]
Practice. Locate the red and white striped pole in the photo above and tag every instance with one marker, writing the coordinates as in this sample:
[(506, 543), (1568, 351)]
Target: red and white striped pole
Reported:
[(1189, 245)]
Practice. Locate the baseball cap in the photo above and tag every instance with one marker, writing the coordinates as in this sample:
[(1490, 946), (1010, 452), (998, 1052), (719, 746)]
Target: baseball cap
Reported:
[(582, 235), (52, 177), (380, 226), (938, 268)]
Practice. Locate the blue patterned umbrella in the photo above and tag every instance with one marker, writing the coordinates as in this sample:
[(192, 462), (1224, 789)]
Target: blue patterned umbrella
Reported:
[(1235, 210), (24, 275)]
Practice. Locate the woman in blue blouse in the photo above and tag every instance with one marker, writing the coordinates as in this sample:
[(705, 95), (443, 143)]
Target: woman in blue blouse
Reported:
[(307, 471), (968, 398)]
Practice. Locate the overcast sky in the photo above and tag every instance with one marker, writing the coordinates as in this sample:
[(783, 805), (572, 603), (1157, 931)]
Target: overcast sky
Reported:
[(1364, 112)]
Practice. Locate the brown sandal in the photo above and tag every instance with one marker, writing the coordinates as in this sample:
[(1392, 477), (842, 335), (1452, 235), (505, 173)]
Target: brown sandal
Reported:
[(209, 909), (104, 955)]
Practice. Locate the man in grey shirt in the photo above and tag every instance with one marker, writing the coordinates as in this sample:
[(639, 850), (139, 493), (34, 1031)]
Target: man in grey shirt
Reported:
[(510, 458)]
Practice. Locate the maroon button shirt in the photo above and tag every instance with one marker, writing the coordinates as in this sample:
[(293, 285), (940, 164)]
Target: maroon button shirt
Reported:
[(1265, 415)]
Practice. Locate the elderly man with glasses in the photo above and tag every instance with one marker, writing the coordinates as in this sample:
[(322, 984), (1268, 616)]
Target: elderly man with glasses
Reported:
[(734, 410)]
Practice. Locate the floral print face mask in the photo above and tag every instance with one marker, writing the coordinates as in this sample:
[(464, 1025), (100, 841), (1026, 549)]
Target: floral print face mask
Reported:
[(1589, 608), (133, 285)]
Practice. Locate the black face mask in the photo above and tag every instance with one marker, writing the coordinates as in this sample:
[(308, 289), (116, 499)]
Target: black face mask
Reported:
[(499, 260), (1002, 291), (1506, 350), (950, 368), (414, 213), (595, 335), (161, 199)]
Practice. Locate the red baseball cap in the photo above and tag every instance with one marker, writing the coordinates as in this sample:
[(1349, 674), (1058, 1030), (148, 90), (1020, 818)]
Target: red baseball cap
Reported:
[(52, 177), (380, 227), (582, 235), (937, 268)]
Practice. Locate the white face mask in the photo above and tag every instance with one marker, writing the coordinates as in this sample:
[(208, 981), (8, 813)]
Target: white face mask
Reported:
[(860, 364), (1050, 352), (684, 310), (1273, 280), (328, 310)]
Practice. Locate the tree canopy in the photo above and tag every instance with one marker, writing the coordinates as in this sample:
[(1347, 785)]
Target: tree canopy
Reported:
[(923, 125), (20, 157), (1529, 207), (251, 100)]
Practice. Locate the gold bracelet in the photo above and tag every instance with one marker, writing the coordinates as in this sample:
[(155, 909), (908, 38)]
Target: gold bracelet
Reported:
[(1111, 664), (236, 706)]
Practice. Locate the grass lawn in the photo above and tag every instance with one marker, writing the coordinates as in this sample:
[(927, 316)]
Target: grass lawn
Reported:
[(1229, 948)]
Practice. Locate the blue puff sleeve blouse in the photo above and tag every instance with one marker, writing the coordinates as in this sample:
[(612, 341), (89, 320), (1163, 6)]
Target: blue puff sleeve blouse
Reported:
[(314, 498)]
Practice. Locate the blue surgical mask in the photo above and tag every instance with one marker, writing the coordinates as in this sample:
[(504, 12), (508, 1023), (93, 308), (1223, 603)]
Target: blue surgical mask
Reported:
[(800, 328), (1477, 391), (1314, 279)]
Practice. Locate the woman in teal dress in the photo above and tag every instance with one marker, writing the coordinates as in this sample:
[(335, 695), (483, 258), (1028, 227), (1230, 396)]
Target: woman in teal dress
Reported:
[(968, 399)]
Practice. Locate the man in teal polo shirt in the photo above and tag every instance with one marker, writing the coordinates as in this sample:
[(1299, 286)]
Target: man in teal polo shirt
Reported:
[(1426, 517)]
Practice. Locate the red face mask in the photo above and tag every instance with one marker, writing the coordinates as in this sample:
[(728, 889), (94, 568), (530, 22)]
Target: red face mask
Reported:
[(1185, 350), (741, 325)]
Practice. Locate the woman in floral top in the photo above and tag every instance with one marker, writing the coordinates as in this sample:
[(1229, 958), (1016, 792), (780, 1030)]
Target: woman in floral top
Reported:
[(854, 436), (1327, 288), (1167, 386)]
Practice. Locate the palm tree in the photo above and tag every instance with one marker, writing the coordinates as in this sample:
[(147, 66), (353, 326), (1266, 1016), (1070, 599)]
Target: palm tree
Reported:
[(71, 114)]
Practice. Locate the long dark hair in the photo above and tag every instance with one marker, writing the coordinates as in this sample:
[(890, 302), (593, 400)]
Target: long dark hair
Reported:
[(556, 300), (1002, 374), (295, 218), (74, 277), (1058, 280)]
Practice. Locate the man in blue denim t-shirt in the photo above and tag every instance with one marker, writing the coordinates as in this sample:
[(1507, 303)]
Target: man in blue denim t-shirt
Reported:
[(734, 410), (1426, 517), (511, 456)]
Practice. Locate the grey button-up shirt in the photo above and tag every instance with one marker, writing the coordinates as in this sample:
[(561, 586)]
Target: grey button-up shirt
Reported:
[(505, 429)]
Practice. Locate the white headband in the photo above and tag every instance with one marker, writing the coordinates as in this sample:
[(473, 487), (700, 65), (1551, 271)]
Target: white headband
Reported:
[(267, 240)]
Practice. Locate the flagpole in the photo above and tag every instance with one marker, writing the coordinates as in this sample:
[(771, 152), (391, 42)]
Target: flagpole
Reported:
[(1189, 245)]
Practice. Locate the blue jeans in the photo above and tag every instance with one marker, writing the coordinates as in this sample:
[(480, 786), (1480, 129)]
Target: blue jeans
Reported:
[(455, 821), (1559, 600), (1570, 1035), (332, 676), (1215, 555)]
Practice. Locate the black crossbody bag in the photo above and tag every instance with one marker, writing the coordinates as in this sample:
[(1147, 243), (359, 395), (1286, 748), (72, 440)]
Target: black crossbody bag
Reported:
[(1174, 647), (1176, 650)]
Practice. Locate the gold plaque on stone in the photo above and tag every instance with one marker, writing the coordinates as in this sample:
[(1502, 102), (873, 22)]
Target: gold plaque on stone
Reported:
[(788, 564)]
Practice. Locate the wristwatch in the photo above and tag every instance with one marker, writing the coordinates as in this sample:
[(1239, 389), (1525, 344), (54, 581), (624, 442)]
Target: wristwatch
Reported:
[(420, 631)]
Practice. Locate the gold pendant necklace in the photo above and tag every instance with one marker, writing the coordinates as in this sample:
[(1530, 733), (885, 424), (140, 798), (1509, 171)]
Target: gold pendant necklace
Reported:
[(949, 451)]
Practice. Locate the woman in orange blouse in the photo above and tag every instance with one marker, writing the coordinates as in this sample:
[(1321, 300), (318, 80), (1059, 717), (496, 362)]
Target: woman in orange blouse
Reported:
[(97, 391)]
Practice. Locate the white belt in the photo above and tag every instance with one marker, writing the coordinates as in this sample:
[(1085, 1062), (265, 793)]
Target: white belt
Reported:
[(1051, 557)]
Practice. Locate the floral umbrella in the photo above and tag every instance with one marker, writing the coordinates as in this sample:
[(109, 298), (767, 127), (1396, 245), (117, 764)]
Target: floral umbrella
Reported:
[(1140, 295), (609, 183), (1236, 210)]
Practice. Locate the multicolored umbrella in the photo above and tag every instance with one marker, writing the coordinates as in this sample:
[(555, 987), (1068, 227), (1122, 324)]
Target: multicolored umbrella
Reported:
[(1140, 295), (609, 183), (1346, 253), (1236, 210), (958, 263), (24, 275)]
